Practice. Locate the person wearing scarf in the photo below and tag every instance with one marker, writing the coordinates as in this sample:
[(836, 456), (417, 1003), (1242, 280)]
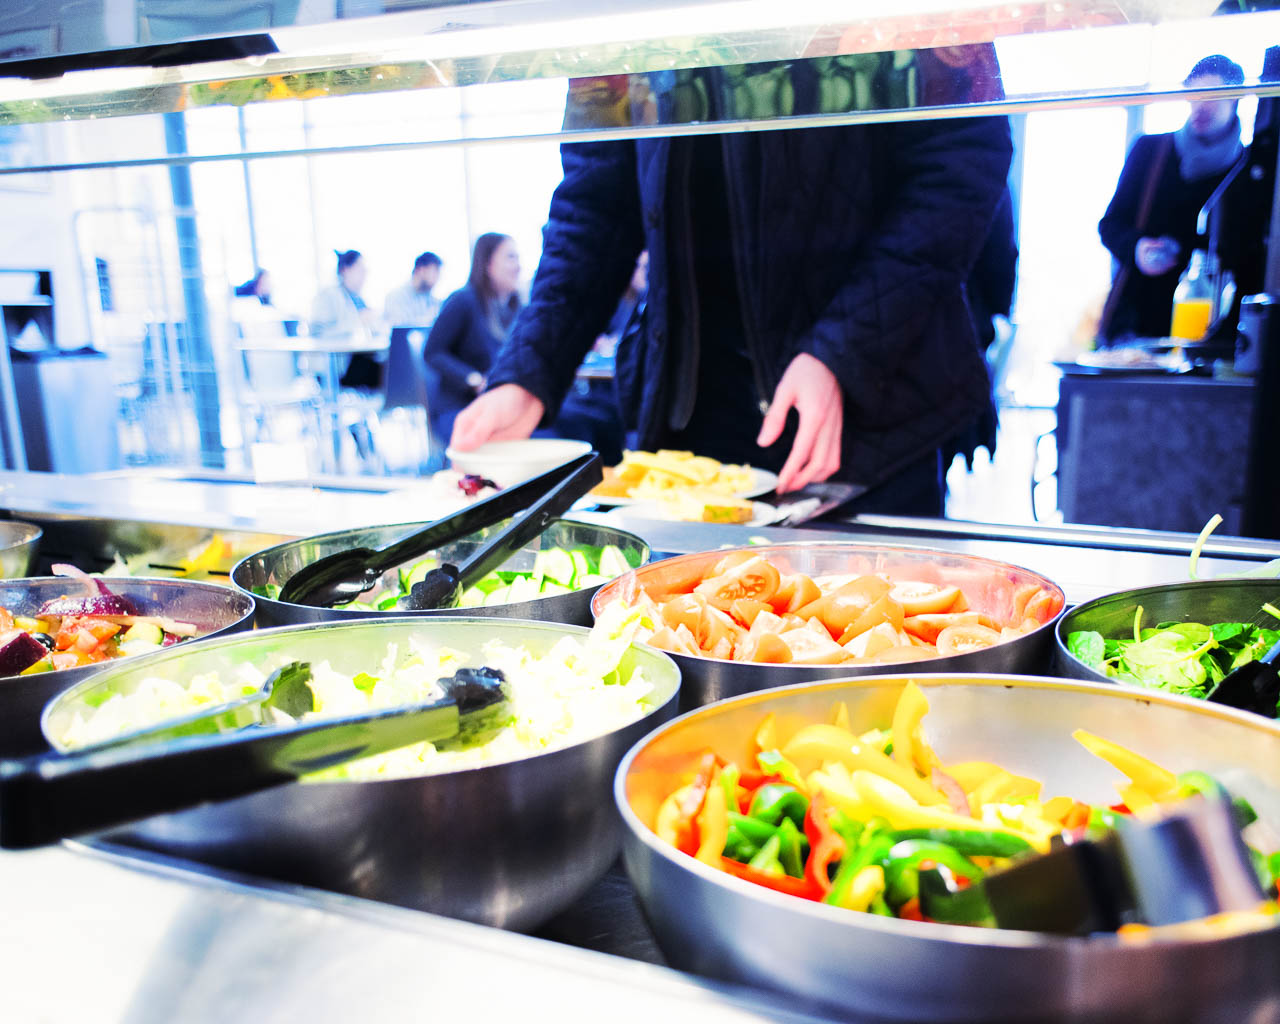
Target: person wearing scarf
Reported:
[(1171, 176)]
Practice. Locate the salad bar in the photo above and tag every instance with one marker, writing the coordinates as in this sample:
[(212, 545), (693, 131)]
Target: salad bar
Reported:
[(877, 806)]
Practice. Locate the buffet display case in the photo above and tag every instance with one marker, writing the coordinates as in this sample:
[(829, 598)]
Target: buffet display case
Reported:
[(152, 938)]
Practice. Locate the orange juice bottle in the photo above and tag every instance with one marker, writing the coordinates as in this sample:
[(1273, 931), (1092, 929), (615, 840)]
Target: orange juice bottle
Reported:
[(1193, 301)]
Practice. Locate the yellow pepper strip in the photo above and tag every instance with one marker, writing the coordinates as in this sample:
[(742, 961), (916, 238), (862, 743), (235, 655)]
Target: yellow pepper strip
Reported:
[(1136, 798), (840, 793), (669, 814), (972, 774), (908, 743), (1003, 788), (867, 884), (827, 743), (1158, 783), (713, 824), (1057, 808), (840, 715), (892, 802), (1025, 819), (767, 734)]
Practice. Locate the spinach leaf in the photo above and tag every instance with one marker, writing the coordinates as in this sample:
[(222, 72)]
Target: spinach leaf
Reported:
[(1089, 647), (1224, 631)]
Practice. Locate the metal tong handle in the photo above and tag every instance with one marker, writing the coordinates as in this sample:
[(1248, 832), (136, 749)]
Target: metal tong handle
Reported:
[(576, 478), (55, 796)]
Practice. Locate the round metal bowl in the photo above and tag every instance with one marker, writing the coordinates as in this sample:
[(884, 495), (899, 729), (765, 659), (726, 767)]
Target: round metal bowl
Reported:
[(18, 543), (508, 844), (1205, 601), (988, 585), (213, 609), (276, 565), (864, 967)]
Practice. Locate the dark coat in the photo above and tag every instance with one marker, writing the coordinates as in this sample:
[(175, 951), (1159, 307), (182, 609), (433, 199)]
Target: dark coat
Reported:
[(462, 341), (851, 244), (1145, 305)]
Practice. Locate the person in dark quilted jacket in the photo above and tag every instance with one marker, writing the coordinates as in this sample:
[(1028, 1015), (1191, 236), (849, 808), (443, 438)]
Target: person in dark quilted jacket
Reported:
[(806, 307)]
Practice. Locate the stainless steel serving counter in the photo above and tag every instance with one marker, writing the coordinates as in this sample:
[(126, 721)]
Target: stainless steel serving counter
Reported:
[(86, 934)]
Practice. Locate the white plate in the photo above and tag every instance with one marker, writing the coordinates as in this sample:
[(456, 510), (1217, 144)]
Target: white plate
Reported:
[(762, 482), (512, 462), (763, 514)]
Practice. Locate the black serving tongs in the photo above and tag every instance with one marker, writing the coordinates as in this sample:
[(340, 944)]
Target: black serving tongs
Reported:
[(345, 575), (56, 796), (1254, 686), (1189, 863)]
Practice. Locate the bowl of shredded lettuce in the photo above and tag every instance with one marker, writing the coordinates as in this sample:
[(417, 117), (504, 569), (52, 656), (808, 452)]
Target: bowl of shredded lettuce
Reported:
[(504, 824)]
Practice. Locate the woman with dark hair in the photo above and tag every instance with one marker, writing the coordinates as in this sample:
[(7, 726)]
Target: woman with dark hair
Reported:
[(472, 325), (339, 312)]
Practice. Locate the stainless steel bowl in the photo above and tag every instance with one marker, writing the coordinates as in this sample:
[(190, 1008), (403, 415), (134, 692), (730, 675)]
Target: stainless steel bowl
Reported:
[(1206, 601), (18, 543), (213, 609), (278, 564), (864, 967), (505, 844), (987, 584)]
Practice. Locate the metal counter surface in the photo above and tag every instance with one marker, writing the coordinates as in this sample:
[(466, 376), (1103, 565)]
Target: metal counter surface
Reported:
[(87, 936)]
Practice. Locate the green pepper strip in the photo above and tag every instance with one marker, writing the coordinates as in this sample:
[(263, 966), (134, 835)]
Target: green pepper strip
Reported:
[(1103, 820), (975, 843), (871, 850), (1195, 783), (771, 762), (943, 902), (766, 861), (794, 848), (774, 801), (902, 869)]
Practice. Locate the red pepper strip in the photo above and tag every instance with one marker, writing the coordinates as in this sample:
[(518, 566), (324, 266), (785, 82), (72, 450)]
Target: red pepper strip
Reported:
[(780, 883), (910, 911), (1119, 809), (1077, 817), (686, 827), (826, 846)]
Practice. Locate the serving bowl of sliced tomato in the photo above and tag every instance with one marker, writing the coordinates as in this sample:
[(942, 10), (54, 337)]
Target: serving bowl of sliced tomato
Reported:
[(753, 618), (56, 630)]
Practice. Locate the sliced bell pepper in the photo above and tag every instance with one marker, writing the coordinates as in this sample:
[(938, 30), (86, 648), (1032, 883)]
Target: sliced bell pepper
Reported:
[(766, 859), (826, 845), (793, 848), (773, 802), (772, 762), (1156, 782), (779, 883), (873, 846), (746, 836), (908, 858), (713, 825), (909, 747), (972, 842), (825, 743)]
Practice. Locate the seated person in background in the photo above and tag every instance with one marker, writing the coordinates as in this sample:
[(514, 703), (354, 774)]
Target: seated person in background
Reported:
[(1150, 224), (473, 323), (412, 304), (257, 287), (340, 313)]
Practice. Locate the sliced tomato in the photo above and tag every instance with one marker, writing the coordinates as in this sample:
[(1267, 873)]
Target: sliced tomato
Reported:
[(901, 653), (965, 638), (794, 592), (769, 648), (747, 609), (919, 598), (683, 610), (715, 628), (927, 627), (845, 605), (1021, 596), (1042, 606), (755, 579), (810, 648), (885, 610)]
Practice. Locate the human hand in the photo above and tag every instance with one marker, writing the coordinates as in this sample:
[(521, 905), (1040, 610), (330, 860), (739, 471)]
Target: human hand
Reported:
[(813, 391), (1156, 256), (507, 413)]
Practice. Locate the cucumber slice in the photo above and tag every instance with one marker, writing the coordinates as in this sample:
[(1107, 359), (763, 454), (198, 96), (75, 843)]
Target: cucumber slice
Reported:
[(357, 606), (592, 580), (523, 590), (550, 589), (388, 602), (491, 583), (417, 574), (498, 596), (613, 562), (143, 633), (472, 598), (554, 564), (581, 567)]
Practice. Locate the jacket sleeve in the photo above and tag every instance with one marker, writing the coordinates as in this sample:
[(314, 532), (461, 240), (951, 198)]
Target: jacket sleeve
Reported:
[(446, 336), (1118, 227), (950, 176), (590, 244)]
